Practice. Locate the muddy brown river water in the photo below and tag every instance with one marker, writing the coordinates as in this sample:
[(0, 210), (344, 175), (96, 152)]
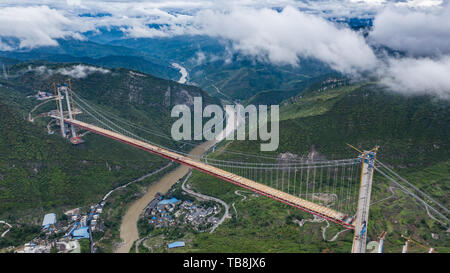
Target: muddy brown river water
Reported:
[(128, 228)]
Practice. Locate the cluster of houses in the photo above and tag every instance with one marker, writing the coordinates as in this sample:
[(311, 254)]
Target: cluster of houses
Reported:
[(83, 225), (198, 216), (77, 226), (170, 212), (159, 211)]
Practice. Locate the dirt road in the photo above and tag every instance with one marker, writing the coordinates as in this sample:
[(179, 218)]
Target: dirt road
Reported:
[(128, 228)]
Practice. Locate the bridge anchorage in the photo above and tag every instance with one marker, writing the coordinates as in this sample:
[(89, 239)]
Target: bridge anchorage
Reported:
[(335, 190)]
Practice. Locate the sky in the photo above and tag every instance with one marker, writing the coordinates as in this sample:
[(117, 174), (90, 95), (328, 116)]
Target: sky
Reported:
[(276, 31)]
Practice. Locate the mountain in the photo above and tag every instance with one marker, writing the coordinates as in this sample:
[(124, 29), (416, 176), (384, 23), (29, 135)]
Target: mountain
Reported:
[(41, 172), (213, 67), (208, 61), (181, 48), (8, 61), (71, 51), (412, 132), (243, 78)]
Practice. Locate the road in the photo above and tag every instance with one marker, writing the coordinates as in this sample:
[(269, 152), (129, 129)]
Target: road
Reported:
[(207, 197), (36, 107), (6, 231), (243, 198), (324, 230), (137, 180)]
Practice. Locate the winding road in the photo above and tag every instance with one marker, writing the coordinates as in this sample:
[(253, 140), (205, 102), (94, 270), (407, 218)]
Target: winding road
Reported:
[(6, 231), (243, 198), (36, 107), (207, 197), (137, 180)]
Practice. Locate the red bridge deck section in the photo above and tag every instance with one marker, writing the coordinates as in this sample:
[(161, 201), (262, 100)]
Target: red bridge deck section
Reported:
[(283, 197)]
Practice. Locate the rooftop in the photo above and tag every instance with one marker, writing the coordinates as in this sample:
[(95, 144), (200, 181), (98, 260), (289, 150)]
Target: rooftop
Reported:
[(176, 244), (81, 233), (49, 219), (172, 200)]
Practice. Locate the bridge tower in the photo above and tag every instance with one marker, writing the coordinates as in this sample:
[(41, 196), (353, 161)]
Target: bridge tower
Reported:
[(365, 189), (65, 88), (60, 110)]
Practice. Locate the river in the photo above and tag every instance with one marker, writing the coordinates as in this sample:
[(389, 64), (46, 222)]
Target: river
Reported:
[(128, 228), (183, 71)]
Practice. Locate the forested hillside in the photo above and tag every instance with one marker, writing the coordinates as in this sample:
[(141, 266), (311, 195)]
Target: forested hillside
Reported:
[(413, 136), (41, 172)]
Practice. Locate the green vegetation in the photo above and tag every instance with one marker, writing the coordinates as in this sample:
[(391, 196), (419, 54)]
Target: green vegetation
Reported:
[(314, 103), (116, 207), (41, 173), (259, 82), (413, 133), (85, 245), (76, 51), (262, 225), (19, 235), (235, 75)]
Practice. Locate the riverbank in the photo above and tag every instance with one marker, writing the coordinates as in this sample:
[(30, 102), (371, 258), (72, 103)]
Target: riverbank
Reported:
[(128, 229)]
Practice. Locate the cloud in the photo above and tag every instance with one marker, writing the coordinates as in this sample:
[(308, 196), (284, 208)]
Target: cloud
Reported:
[(285, 37), (5, 46), (199, 59), (73, 2), (275, 31), (34, 26), (81, 71), (416, 32), (418, 76), (75, 71), (423, 37)]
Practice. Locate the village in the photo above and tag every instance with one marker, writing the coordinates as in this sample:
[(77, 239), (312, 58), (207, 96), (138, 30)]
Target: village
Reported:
[(71, 234), (73, 230), (171, 211)]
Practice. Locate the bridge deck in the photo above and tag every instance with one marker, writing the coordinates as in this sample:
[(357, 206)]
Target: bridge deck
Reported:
[(286, 198)]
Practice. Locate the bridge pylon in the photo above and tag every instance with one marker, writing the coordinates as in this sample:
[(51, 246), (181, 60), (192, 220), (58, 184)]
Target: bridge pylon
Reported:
[(365, 190), (61, 91), (60, 110), (65, 89)]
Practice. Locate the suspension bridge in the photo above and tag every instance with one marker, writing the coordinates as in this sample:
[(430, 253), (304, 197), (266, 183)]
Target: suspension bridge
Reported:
[(336, 190)]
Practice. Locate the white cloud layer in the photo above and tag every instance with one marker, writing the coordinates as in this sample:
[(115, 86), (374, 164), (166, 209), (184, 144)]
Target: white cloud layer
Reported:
[(284, 37), (34, 26), (418, 76), (76, 71), (295, 30), (417, 32)]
